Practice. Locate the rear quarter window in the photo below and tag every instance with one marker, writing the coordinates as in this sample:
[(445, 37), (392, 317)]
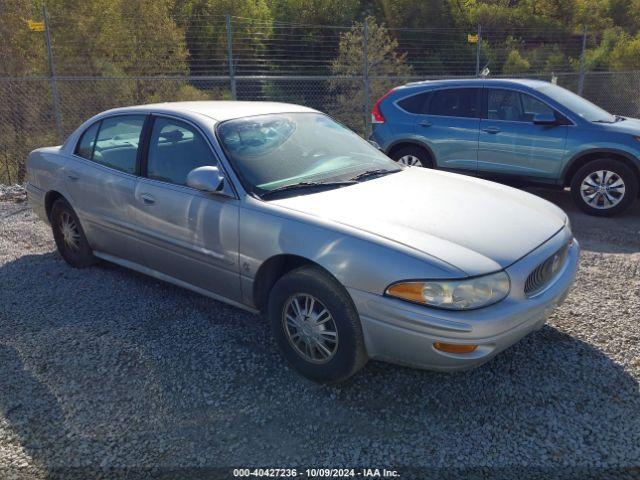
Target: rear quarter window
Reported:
[(84, 147), (415, 103)]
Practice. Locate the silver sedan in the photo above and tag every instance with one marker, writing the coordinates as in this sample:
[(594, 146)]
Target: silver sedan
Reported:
[(278, 209)]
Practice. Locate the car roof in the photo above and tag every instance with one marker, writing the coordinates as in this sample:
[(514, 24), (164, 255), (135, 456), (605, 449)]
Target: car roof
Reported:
[(217, 110), (478, 82)]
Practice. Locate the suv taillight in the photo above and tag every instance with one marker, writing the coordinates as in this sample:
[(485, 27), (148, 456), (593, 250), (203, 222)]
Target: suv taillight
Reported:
[(376, 114)]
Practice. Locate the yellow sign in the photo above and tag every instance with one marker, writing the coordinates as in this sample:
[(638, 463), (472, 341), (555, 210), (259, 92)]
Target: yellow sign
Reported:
[(35, 26), (472, 38)]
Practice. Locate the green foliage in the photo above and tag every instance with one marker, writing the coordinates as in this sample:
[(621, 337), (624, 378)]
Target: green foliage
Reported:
[(138, 38), (626, 54), (515, 64), (207, 40), (315, 12), (21, 50)]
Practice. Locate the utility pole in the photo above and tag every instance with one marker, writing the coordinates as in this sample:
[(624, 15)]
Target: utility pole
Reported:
[(582, 62), (365, 78), (52, 75), (478, 47), (232, 75)]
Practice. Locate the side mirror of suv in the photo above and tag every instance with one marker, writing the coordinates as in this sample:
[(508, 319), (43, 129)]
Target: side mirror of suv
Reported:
[(545, 119)]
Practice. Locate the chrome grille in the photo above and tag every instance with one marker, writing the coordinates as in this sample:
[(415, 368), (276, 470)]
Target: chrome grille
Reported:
[(545, 272)]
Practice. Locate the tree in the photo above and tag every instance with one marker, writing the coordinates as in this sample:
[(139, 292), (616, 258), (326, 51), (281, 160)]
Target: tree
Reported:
[(22, 126), (314, 12), (383, 59), (206, 35), (515, 64)]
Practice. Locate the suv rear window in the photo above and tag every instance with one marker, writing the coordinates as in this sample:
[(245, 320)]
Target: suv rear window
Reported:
[(456, 102)]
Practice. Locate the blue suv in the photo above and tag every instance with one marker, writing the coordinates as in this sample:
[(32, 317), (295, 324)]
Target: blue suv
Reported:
[(524, 131)]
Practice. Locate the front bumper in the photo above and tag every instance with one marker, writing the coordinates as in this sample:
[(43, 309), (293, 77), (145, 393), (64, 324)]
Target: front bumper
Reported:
[(403, 333)]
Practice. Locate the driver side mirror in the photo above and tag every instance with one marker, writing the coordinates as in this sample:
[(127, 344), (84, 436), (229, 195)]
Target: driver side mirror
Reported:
[(545, 119), (206, 179)]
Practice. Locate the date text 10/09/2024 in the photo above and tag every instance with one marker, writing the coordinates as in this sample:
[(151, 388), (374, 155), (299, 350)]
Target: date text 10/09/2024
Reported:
[(316, 472)]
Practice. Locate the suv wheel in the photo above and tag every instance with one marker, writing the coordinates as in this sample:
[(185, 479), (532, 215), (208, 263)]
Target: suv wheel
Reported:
[(69, 236), (316, 325), (604, 187), (413, 156)]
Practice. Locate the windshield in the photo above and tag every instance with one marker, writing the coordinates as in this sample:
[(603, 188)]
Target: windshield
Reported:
[(577, 104), (274, 151)]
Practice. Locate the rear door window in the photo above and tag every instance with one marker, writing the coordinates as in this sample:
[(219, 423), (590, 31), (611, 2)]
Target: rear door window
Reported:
[(455, 102), (116, 144)]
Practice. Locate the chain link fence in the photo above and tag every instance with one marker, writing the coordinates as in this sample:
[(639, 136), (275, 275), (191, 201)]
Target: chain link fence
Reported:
[(338, 70)]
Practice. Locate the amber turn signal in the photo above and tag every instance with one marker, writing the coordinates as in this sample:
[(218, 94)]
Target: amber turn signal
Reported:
[(407, 291), (454, 348)]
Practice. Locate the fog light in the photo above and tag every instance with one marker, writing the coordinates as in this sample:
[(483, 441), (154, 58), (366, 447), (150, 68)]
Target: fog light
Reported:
[(454, 348)]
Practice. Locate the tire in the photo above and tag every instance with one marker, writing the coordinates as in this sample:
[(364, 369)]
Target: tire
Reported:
[(69, 237), (348, 353), (412, 155), (618, 178)]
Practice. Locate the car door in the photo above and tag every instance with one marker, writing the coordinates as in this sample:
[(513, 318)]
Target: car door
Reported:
[(100, 177), (192, 236), (511, 144), (449, 126)]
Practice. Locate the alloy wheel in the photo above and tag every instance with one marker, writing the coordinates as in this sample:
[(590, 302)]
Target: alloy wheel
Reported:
[(310, 328), (410, 160), (602, 189), (70, 231)]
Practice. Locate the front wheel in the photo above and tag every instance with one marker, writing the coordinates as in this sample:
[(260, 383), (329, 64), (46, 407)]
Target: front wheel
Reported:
[(604, 187), (316, 325)]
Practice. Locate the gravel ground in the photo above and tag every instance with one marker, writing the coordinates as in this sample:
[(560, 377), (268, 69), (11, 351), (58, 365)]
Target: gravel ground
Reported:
[(105, 368)]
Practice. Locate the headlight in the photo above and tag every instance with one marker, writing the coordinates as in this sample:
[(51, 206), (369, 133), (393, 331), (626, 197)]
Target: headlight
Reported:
[(454, 294)]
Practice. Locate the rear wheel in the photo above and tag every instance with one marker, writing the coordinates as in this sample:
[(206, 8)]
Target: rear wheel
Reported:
[(604, 187), (316, 325), (413, 156), (69, 236)]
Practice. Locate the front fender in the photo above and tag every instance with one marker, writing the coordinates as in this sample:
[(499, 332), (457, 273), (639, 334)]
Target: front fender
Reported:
[(356, 259)]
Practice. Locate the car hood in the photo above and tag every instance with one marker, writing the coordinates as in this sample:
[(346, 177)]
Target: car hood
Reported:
[(629, 125), (474, 225)]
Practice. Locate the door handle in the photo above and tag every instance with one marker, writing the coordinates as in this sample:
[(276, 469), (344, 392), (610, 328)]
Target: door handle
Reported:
[(147, 199), (492, 130), (72, 176), (424, 123)]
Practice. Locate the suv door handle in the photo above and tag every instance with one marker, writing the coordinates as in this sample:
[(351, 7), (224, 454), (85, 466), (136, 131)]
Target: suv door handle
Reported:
[(72, 176), (147, 199), (492, 130), (424, 123)]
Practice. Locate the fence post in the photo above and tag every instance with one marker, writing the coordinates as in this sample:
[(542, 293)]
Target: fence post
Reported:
[(52, 75), (582, 62), (365, 78), (232, 75), (478, 43)]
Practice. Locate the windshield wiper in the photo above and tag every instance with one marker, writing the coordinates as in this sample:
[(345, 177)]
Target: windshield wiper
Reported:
[(372, 173), (620, 119), (306, 185)]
